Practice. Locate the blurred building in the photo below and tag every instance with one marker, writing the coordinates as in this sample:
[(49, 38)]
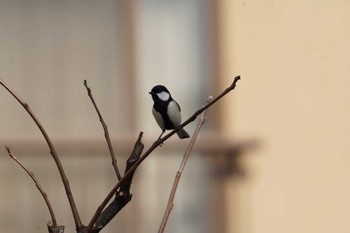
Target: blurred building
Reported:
[(292, 103)]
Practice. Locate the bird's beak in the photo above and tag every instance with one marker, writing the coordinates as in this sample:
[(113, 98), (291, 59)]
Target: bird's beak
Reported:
[(151, 93)]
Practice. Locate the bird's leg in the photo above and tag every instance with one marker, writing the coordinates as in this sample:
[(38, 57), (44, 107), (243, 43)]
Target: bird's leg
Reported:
[(158, 140)]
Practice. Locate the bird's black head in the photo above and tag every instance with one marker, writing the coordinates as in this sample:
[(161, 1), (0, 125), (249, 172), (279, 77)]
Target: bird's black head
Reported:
[(158, 89), (160, 93)]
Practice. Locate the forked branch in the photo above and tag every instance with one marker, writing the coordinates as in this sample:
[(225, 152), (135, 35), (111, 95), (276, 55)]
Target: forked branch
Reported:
[(123, 195), (151, 149), (122, 189), (52, 225), (65, 181)]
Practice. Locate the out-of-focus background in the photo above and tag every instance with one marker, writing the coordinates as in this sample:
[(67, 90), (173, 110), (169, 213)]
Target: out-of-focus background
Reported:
[(273, 156)]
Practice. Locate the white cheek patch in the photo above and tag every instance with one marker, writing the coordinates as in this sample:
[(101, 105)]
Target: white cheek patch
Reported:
[(164, 96)]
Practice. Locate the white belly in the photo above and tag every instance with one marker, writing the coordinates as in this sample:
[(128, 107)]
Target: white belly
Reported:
[(158, 118), (174, 113)]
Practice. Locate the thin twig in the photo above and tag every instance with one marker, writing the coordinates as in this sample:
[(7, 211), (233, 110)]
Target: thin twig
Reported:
[(105, 128), (180, 171), (53, 218), (65, 181), (150, 150)]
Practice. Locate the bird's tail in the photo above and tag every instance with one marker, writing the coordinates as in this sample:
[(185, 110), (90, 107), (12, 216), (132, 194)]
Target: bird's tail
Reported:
[(182, 134)]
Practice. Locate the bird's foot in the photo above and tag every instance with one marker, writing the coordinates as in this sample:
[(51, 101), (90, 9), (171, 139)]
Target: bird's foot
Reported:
[(159, 142)]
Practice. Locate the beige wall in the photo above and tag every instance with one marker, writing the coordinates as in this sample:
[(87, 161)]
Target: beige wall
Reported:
[(294, 97)]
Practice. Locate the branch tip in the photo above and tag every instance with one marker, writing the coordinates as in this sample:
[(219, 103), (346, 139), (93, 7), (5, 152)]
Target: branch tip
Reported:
[(235, 81), (87, 87), (105, 129)]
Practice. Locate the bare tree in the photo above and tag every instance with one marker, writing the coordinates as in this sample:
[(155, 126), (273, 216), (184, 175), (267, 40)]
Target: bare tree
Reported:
[(121, 191)]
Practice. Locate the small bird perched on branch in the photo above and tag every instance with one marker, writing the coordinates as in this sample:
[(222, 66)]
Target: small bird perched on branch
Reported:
[(166, 111)]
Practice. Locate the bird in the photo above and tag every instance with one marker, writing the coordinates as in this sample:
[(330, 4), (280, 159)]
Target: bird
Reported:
[(166, 111)]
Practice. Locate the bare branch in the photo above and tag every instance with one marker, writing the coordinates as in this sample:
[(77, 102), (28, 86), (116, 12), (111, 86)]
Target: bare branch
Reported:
[(105, 128), (65, 181), (53, 224), (151, 149), (123, 195), (181, 168), (134, 157)]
